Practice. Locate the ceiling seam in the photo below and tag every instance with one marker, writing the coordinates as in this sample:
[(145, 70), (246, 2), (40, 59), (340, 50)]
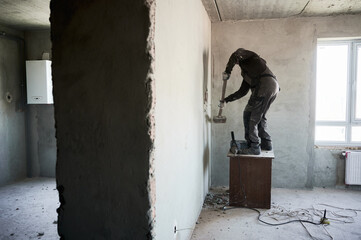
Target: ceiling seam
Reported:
[(219, 14), (303, 9)]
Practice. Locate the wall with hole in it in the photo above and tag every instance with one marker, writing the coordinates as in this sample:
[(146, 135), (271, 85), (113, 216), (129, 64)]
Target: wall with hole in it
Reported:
[(12, 108)]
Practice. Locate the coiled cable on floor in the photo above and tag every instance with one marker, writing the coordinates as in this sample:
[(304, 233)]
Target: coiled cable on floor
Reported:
[(274, 224)]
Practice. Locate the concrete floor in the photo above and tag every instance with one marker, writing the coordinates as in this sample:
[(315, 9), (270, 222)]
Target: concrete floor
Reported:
[(28, 210), (233, 224)]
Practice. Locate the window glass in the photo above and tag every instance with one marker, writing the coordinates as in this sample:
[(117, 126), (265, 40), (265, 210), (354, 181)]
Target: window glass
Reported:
[(356, 134), (331, 96), (330, 133), (358, 85)]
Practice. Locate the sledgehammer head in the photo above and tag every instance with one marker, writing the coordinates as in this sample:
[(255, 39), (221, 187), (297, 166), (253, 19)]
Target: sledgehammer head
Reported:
[(219, 119)]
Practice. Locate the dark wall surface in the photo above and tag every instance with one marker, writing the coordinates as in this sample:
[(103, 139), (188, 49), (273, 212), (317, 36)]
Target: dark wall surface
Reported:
[(101, 102)]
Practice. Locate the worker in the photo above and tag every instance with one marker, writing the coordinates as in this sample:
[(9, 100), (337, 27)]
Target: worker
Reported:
[(264, 87)]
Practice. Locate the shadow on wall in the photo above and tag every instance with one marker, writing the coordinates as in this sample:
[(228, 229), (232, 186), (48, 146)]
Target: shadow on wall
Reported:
[(207, 120)]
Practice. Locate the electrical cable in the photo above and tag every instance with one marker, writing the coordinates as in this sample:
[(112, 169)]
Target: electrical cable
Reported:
[(259, 213), (273, 224), (278, 211), (349, 209), (183, 229), (347, 216), (303, 215)]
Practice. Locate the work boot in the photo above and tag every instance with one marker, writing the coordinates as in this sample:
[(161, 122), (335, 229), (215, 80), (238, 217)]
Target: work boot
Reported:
[(266, 144), (253, 150)]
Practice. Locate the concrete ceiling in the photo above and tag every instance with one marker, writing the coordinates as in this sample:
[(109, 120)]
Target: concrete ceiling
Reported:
[(225, 10), (34, 14), (25, 14)]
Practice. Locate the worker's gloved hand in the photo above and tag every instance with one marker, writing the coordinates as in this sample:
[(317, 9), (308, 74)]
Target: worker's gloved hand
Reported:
[(225, 76), (221, 104), (228, 99)]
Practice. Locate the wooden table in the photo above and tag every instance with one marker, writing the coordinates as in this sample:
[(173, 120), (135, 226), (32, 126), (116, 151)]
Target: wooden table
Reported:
[(250, 179)]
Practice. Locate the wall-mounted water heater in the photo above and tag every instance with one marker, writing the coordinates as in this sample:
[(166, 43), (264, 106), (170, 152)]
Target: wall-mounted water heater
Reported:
[(38, 82)]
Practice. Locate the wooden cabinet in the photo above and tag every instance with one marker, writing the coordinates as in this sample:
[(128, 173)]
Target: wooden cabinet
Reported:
[(250, 180)]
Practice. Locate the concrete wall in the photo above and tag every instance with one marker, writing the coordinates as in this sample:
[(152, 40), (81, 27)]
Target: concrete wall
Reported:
[(329, 168), (27, 142), (182, 143), (289, 46), (40, 117), (12, 116), (101, 99)]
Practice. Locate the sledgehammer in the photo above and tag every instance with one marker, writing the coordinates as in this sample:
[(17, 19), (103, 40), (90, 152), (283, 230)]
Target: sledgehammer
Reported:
[(219, 118)]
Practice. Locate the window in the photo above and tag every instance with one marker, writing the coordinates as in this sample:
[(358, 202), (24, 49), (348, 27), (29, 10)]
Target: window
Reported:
[(338, 93)]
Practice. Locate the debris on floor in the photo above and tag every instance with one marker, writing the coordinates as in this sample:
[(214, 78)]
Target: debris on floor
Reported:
[(28, 210), (216, 198), (288, 206)]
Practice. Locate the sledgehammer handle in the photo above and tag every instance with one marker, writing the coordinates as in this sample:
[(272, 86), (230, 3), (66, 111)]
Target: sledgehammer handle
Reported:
[(222, 97), (220, 112), (224, 89)]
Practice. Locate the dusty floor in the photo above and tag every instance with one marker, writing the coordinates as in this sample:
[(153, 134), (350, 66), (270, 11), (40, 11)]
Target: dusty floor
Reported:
[(28, 210), (216, 224)]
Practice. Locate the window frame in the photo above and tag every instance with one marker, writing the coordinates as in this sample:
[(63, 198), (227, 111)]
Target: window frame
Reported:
[(350, 120)]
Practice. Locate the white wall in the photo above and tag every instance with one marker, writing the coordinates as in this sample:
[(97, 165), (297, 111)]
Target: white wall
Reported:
[(182, 142), (289, 46)]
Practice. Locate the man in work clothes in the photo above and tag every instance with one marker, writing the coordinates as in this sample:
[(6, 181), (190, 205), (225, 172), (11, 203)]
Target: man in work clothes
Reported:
[(263, 84)]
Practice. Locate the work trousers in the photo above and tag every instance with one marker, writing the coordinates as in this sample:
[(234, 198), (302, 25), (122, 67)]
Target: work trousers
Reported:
[(254, 115)]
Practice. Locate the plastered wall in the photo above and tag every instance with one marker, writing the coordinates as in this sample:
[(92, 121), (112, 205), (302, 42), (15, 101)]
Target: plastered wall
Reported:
[(40, 117), (101, 100), (182, 112), (27, 143), (12, 108), (289, 47)]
